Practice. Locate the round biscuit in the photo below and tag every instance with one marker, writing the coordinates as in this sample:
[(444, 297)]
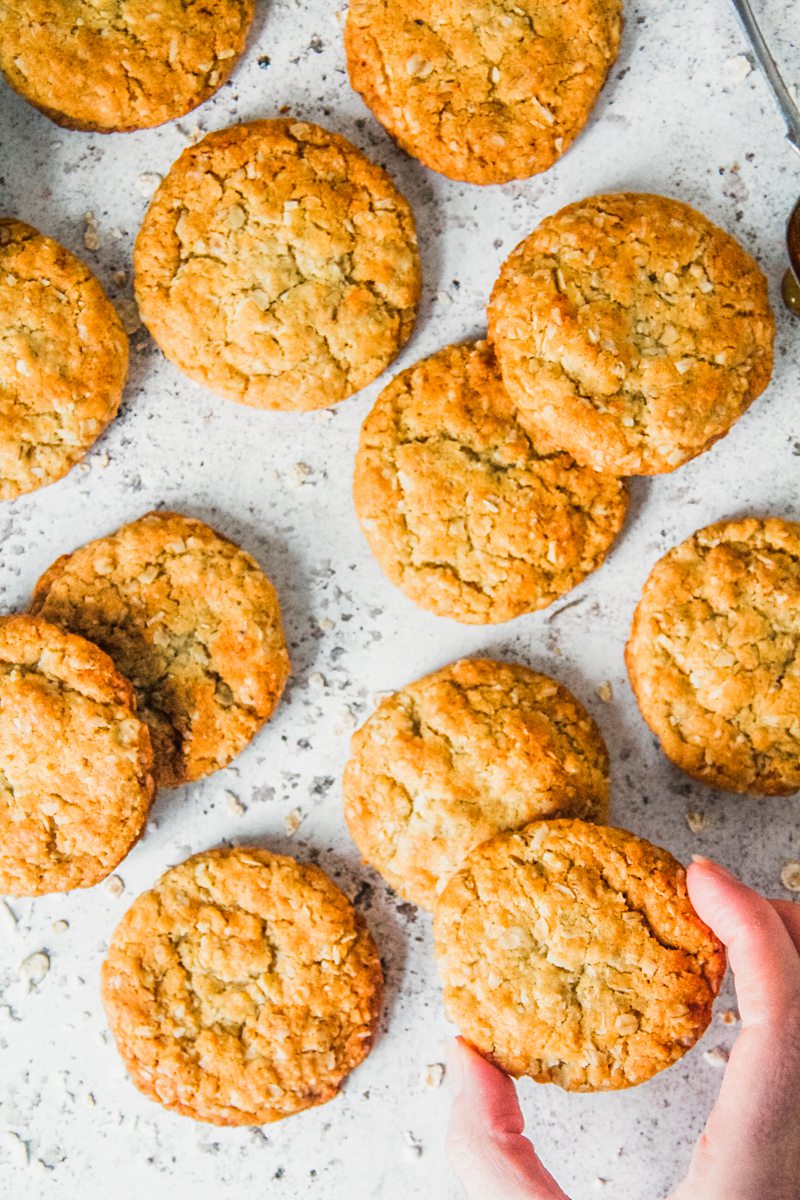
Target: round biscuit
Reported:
[(571, 953), (242, 988)]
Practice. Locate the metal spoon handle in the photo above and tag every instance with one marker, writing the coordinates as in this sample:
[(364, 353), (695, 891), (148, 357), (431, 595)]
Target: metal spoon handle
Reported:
[(786, 104)]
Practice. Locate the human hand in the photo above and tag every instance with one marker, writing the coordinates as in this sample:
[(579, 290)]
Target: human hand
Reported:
[(750, 1148)]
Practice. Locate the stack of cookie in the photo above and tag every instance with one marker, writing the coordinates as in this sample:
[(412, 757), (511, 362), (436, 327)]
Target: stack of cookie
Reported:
[(149, 658), (476, 792), (626, 335)]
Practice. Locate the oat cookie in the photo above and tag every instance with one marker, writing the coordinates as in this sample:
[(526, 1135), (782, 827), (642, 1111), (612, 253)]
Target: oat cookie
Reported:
[(570, 952), (120, 64), (191, 620), (463, 510), (278, 266), (63, 359), (75, 761), (483, 92), (243, 988), (714, 655), (632, 331), (472, 750)]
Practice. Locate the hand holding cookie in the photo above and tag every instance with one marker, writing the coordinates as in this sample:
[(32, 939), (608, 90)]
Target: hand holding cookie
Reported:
[(751, 1144)]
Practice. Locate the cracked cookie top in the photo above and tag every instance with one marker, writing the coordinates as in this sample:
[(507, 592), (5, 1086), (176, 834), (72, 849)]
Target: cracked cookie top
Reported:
[(278, 266), (484, 92), (75, 761), (570, 953), (191, 620), (63, 359), (120, 64), (243, 988), (714, 655), (632, 331), (463, 510), (472, 750)]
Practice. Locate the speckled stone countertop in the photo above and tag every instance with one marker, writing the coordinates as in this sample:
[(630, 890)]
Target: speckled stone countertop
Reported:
[(681, 114)]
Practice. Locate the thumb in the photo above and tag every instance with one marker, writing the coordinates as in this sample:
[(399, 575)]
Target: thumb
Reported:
[(751, 1144), (485, 1142)]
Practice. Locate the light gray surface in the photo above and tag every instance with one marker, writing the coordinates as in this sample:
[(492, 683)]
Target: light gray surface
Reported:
[(676, 117)]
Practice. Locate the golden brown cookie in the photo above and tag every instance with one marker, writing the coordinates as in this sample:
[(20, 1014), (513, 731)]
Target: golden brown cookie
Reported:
[(120, 64), (278, 266), (243, 988), (63, 359), (472, 750), (571, 953), (75, 761), (483, 92), (714, 655), (191, 620), (632, 331), (463, 510)]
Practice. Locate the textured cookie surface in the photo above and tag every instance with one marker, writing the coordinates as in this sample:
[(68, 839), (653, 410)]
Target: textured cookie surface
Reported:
[(633, 331), (472, 750), (194, 624), (243, 988), (63, 359), (463, 510), (75, 761), (483, 92), (570, 952), (120, 64), (714, 655), (278, 266)]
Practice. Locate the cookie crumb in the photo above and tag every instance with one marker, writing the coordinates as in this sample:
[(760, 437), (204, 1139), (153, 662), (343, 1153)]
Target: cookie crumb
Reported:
[(16, 1149), (326, 625), (8, 917), (235, 805), (293, 821), (114, 886), (790, 875), (298, 474), (717, 1056), (606, 692), (696, 821), (317, 681), (728, 1016), (347, 720), (128, 313), (35, 967), (433, 1075), (60, 926), (147, 182), (91, 238), (738, 67)]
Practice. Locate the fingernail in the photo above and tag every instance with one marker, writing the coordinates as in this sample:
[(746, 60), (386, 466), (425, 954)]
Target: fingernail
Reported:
[(701, 858), (455, 1070)]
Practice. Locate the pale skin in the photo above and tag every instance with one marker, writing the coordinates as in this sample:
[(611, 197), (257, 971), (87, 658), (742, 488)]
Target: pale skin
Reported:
[(750, 1148)]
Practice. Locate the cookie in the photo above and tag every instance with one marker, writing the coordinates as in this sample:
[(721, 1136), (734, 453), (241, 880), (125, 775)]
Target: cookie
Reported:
[(632, 331), (714, 655), (483, 93), (243, 988), (120, 65), (465, 511), (570, 953), (75, 761), (194, 624), (278, 266), (472, 750), (63, 359)]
